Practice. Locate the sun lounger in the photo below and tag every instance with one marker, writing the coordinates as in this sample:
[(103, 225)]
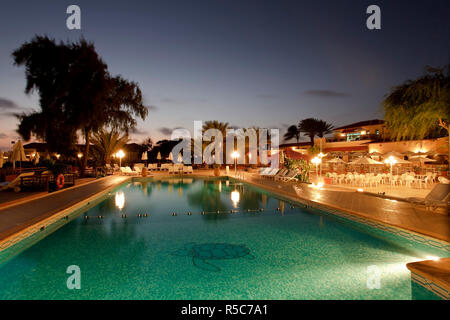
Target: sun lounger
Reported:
[(291, 175), (188, 169), (16, 182), (438, 197), (280, 174), (272, 172)]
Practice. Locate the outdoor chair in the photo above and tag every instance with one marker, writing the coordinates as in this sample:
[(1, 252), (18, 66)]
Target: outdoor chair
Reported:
[(437, 197), (188, 169), (14, 184), (292, 175), (280, 174)]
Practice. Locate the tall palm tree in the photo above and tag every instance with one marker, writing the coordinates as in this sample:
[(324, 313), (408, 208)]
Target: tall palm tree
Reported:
[(107, 143), (222, 127), (312, 127), (292, 132)]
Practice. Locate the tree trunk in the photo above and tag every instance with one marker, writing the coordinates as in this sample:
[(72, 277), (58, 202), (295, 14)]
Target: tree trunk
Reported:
[(312, 141), (87, 134)]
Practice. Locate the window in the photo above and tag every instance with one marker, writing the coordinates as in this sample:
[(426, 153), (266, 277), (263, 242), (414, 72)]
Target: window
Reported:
[(377, 132)]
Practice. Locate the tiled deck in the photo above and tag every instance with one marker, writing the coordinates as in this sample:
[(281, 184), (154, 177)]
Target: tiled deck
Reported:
[(27, 212)]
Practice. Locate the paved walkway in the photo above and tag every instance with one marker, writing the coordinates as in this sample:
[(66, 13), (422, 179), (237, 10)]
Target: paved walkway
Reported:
[(21, 215), (397, 213)]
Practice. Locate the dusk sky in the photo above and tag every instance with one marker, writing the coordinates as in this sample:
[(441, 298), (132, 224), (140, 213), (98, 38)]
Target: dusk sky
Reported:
[(249, 63)]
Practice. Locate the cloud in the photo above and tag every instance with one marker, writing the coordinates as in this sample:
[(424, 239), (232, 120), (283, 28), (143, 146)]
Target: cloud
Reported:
[(326, 93), (168, 131), (6, 104), (9, 114), (152, 108), (3, 135), (139, 132)]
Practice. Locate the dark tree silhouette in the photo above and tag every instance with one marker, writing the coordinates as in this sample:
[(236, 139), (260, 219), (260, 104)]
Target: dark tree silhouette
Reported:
[(312, 127), (292, 133), (76, 93)]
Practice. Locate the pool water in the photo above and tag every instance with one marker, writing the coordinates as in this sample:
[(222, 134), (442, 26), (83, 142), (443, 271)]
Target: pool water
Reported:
[(264, 250)]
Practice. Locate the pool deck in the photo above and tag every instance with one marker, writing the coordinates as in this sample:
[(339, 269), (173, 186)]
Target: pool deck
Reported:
[(433, 275), (22, 213)]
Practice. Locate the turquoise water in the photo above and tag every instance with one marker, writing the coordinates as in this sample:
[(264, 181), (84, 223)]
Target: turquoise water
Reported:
[(279, 253)]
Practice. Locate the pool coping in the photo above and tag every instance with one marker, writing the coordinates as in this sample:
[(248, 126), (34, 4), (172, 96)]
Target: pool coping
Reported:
[(66, 215), (432, 275)]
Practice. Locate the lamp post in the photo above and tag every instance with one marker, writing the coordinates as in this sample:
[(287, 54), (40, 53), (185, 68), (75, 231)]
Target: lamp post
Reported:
[(120, 154), (235, 155), (391, 161), (320, 156), (316, 161)]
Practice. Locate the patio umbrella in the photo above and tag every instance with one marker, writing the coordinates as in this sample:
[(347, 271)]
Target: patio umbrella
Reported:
[(36, 158), (180, 158), (375, 153), (335, 160), (421, 159), (18, 153), (144, 156), (400, 160), (365, 161), (158, 156), (170, 156), (1, 159), (394, 154)]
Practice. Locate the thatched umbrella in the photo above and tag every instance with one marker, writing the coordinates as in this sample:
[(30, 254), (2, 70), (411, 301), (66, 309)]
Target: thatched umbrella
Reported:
[(18, 154)]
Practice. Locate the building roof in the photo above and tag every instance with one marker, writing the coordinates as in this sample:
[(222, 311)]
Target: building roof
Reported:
[(297, 144), (361, 124)]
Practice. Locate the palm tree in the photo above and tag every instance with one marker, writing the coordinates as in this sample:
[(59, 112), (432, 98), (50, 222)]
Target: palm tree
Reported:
[(312, 127), (222, 127), (292, 132), (107, 143), (417, 107)]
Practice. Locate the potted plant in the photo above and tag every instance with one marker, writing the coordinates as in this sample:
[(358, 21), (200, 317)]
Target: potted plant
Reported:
[(328, 179)]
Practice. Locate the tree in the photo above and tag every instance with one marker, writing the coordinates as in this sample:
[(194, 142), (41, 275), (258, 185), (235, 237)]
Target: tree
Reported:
[(147, 144), (222, 127), (417, 107), (106, 143), (292, 132), (312, 127), (76, 91)]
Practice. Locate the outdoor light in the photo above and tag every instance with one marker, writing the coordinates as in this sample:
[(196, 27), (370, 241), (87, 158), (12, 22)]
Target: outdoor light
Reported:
[(360, 190), (235, 155), (391, 161), (57, 156), (80, 155), (120, 154), (235, 196), (316, 161), (120, 200), (363, 132)]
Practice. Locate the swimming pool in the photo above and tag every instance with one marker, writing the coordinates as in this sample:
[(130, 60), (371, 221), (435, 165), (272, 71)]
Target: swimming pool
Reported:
[(202, 238)]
